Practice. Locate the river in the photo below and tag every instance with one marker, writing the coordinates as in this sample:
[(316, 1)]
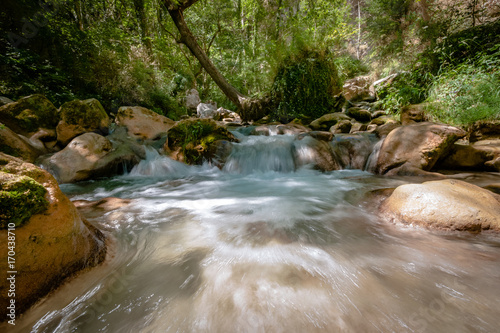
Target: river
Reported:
[(263, 246)]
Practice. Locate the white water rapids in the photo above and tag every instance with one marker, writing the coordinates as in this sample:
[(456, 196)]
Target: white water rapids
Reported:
[(264, 247)]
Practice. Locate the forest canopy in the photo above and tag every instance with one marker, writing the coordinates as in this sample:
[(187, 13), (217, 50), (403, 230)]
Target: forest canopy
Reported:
[(130, 52)]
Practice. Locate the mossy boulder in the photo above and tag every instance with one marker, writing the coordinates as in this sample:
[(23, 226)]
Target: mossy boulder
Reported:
[(78, 117), (29, 114), (20, 198), (53, 242), (190, 140)]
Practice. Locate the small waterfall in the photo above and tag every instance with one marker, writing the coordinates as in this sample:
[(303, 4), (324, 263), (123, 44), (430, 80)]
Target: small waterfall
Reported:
[(262, 154), (371, 163), (157, 165)]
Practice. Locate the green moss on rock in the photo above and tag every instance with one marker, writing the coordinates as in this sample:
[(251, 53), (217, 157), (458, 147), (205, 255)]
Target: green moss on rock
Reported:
[(20, 198), (88, 113), (30, 113), (194, 137)]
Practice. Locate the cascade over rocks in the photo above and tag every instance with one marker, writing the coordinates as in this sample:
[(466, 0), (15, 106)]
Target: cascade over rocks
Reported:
[(53, 242), (88, 156), (410, 149), (29, 114), (318, 153), (142, 123), (444, 204), (78, 117), (353, 150)]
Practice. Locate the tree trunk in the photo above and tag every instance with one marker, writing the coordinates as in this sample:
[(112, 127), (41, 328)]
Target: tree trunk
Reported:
[(248, 108), (141, 15)]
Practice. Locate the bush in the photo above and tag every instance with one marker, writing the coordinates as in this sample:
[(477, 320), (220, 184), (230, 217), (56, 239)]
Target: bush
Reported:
[(469, 92), (194, 136), (305, 84), (407, 88)]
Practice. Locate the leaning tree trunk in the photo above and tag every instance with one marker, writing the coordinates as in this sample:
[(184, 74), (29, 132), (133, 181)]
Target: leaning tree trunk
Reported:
[(249, 109)]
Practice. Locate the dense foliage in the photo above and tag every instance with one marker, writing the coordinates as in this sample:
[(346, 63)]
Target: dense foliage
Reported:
[(305, 85), (128, 52)]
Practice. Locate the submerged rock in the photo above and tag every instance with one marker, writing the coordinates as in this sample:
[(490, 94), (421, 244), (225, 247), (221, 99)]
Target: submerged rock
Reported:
[(29, 114), (142, 123), (444, 204), (78, 117), (408, 149), (52, 242)]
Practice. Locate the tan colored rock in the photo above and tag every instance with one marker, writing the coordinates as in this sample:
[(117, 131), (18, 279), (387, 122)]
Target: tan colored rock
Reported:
[(444, 204), (412, 114), (357, 88), (27, 115), (417, 146), (484, 130), (477, 156), (318, 153), (326, 121), (12, 144), (343, 126), (142, 123), (90, 156), (78, 117), (50, 246)]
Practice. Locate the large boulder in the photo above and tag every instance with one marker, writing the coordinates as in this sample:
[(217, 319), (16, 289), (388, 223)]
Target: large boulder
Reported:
[(326, 121), (142, 123), (412, 114), (484, 130), (14, 145), (192, 99), (29, 114), (316, 153), (353, 150), (52, 242), (471, 157), (89, 156), (444, 204), (416, 147), (359, 113), (190, 141), (207, 111), (78, 117), (357, 88)]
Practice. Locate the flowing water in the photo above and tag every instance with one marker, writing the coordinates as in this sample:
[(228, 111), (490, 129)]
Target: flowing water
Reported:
[(264, 246)]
